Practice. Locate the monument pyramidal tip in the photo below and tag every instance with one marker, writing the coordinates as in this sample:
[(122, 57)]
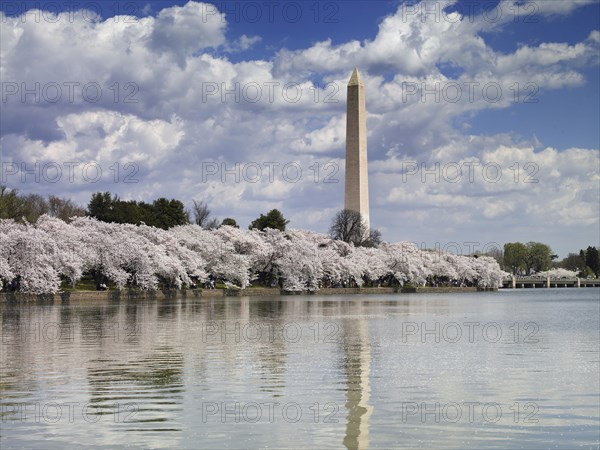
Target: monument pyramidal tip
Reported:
[(357, 174)]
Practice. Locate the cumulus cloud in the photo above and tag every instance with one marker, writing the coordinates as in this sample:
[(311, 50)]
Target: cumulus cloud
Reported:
[(183, 30)]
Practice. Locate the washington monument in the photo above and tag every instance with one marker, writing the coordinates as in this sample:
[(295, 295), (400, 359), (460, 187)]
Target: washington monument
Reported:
[(357, 176)]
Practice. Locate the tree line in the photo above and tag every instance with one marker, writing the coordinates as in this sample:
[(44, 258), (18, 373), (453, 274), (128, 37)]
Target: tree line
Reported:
[(32, 206), (533, 257), (161, 213), (586, 262), (346, 226)]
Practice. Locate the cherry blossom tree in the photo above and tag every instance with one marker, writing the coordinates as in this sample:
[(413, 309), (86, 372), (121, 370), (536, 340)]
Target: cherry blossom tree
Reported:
[(30, 254), (222, 262), (38, 257), (557, 273), (69, 255)]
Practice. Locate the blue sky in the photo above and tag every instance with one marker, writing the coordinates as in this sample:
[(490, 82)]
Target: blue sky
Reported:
[(159, 127)]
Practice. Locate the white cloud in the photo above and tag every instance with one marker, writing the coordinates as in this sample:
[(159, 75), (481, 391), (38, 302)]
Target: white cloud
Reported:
[(327, 139), (243, 43), (183, 30)]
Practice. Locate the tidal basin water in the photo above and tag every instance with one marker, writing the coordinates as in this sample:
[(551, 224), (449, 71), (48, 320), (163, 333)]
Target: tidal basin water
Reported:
[(510, 369)]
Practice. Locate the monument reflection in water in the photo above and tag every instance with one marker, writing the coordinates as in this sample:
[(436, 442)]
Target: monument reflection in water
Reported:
[(357, 350)]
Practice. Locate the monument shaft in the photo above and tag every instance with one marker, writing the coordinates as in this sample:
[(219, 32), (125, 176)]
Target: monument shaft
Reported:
[(357, 176)]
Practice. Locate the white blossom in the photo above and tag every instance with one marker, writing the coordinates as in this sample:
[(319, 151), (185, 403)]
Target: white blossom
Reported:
[(43, 255), (557, 273)]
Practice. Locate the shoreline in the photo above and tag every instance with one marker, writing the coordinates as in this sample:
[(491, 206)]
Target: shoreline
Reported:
[(223, 293)]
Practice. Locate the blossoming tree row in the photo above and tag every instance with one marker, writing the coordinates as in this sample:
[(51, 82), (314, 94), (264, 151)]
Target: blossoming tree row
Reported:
[(43, 255)]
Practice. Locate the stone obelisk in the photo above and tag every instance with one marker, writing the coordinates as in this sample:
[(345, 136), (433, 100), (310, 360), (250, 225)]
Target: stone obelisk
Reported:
[(357, 176)]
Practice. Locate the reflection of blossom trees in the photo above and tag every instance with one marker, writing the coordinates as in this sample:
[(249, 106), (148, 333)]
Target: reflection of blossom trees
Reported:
[(36, 258)]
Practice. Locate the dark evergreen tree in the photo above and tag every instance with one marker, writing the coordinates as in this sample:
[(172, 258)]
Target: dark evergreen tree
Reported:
[(230, 222), (101, 206), (592, 260), (168, 213), (274, 219)]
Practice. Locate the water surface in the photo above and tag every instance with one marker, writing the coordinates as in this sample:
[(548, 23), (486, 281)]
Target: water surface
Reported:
[(512, 369)]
